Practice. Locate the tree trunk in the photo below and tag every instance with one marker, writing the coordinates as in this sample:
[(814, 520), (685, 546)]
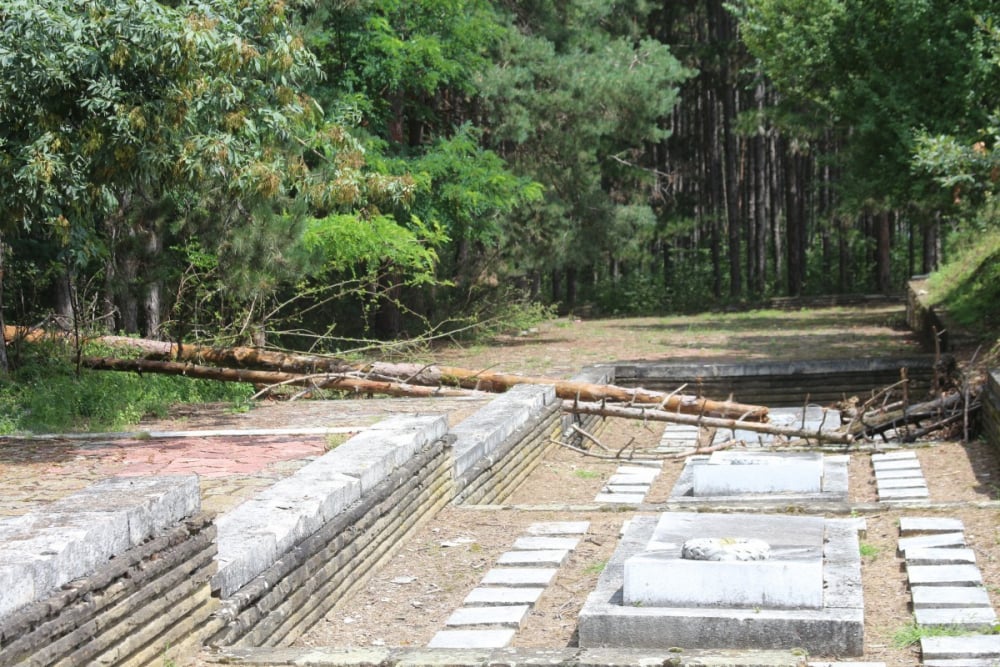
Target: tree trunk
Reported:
[(4, 361), (883, 248)]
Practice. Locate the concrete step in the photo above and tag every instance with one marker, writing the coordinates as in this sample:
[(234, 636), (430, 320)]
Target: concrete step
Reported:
[(943, 597)]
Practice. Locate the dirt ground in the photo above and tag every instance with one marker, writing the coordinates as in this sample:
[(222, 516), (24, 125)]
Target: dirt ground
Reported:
[(408, 599)]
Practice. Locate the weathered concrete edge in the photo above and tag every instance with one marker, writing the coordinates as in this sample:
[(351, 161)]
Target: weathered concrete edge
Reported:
[(526, 657), (255, 534), (74, 536)]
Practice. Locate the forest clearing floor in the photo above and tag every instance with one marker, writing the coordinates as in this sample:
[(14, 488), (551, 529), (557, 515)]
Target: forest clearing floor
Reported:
[(407, 600)]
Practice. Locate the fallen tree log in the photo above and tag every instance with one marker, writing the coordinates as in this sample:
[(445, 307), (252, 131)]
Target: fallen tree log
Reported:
[(635, 412), (320, 381), (877, 423)]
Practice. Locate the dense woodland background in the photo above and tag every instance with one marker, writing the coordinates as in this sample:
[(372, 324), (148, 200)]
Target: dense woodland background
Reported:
[(316, 174)]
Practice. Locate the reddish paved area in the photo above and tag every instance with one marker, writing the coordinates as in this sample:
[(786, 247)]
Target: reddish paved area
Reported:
[(232, 468)]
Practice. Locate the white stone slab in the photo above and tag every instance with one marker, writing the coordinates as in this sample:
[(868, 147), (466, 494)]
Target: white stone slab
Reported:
[(913, 493), (944, 575), (620, 489), (940, 556), (902, 483), (978, 646), (519, 576), (559, 528), (931, 541), (545, 557), (903, 464), (963, 662), (471, 639), (620, 498), (915, 525), (845, 664), (533, 543), (484, 597), (791, 578), (511, 616), (728, 473), (898, 474), (943, 597), (970, 618), (633, 475), (895, 456)]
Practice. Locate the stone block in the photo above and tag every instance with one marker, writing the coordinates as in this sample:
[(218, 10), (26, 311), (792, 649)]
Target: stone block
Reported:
[(519, 576), (496, 596), (902, 464), (959, 648), (945, 597), (533, 543), (915, 525), (620, 498), (471, 639), (242, 556), (559, 528), (914, 473), (912, 493), (907, 455), (968, 618), (546, 557), (931, 541), (727, 473), (508, 616), (902, 483), (944, 575), (940, 556)]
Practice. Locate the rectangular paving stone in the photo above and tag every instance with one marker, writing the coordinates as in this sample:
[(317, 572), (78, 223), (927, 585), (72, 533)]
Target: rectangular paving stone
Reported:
[(619, 489), (902, 483), (519, 576), (916, 525), (904, 464), (963, 662), (471, 639), (969, 618), (845, 664), (897, 474), (903, 494), (549, 557), (559, 528), (634, 475), (511, 616), (533, 543), (944, 575), (620, 498), (894, 456), (940, 556), (497, 596), (931, 541), (944, 597), (976, 646)]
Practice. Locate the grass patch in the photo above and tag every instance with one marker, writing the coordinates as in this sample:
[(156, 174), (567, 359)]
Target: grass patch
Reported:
[(969, 284), (869, 551), (912, 634), (44, 394), (596, 568), (586, 474)]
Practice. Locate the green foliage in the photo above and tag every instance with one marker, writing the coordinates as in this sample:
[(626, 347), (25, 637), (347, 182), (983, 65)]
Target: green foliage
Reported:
[(45, 395), (913, 633), (968, 284)]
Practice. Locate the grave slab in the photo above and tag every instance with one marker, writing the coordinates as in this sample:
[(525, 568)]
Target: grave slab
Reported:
[(976, 646), (944, 575), (945, 597), (915, 525), (519, 576), (497, 596), (559, 528), (727, 473), (471, 639), (549, 557), (970, 618), (940, 556), (931, 541), (533, 543), (511, 616)]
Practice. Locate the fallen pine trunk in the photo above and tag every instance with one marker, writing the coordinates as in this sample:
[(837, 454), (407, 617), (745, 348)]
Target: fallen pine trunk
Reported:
[(632, 412), (321, 381)]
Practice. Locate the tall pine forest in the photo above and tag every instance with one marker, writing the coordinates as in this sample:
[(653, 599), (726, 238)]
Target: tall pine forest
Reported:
[(313, 174)]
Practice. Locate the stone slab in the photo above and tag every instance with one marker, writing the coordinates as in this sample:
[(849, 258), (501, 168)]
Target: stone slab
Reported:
[(620, 498), (553, 528), (727, 473), (845, 664), (634, 475), (915, 525), (532, 543), (895, 456), (975, 646), (834, 486), (904, 464), (969, 618), (945, 597), (792, 577), (914, 493), (944, 575), (902, 483), (621, 489), (898, 474), (546, 557), (519, 576), (940, 556), (963, 662), (496, 596), (508, 616), (471, 639), (931, 541)]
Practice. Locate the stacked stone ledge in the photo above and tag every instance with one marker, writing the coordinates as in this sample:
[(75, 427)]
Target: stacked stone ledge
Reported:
[(111, 575)]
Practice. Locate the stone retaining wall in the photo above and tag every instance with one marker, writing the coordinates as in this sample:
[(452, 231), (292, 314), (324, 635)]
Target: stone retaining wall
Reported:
[(112, 575), (991, 409)]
